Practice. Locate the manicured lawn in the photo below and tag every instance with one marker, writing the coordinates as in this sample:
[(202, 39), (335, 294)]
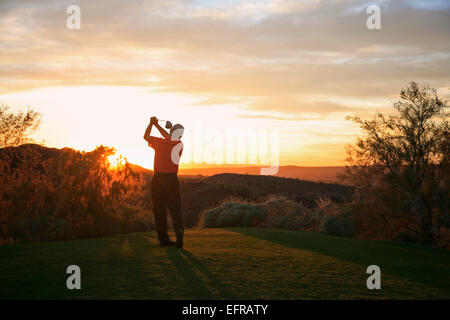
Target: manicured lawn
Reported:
[(224, 264)]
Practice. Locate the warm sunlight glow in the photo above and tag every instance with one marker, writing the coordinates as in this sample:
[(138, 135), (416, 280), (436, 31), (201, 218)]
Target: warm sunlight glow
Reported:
[(116, 160), (95, 89)]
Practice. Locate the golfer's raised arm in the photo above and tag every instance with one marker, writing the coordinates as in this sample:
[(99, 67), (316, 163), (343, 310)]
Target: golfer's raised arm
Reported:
[(148, 130), (163, 132)]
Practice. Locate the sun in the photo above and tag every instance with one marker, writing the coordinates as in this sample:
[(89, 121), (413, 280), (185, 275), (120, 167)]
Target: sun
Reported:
[(116, 160)]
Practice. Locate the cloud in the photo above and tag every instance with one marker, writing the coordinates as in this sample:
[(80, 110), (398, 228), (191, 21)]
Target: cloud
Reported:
[(283, 56)]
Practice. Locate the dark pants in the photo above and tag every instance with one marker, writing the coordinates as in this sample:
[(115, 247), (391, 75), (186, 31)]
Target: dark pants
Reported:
[(166, 195)]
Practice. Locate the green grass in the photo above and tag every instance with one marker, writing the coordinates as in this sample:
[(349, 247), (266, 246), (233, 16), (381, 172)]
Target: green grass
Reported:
[(224, 264)]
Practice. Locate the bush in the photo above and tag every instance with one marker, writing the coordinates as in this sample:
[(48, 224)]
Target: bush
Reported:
[(277, 213), (292, 220), (339, 225), (51, 194), (235, 214)]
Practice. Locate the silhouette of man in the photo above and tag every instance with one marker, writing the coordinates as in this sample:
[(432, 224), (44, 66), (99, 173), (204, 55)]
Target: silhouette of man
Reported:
[(165, 187)]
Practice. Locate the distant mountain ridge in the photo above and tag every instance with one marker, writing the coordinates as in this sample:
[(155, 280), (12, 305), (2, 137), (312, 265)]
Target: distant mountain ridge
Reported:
[(319, 174)]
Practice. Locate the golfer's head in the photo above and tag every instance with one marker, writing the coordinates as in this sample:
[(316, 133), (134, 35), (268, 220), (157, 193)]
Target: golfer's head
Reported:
[(176, 132)]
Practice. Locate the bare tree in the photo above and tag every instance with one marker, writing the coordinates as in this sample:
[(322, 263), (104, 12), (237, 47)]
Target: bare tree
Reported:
[(408, 154), (15, 128)]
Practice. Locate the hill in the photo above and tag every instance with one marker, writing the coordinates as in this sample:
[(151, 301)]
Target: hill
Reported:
[(224, 263), (318, 174), (198, 192), (203, 193)]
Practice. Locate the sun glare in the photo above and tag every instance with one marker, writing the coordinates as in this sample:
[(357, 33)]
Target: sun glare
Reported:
[(116, 160)]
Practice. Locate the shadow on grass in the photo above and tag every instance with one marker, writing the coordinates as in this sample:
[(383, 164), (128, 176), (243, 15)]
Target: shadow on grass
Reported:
[(187, 264), (416, 263)]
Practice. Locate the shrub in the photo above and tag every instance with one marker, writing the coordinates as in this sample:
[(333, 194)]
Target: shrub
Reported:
[(339, 225), (51, 194), (276, 213), (235, 214)]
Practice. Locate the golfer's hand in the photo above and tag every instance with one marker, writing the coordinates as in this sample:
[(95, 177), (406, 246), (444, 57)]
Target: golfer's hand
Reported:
[(153, 120)]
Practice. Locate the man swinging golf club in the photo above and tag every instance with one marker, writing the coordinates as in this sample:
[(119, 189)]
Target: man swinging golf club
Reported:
[(165, 188)]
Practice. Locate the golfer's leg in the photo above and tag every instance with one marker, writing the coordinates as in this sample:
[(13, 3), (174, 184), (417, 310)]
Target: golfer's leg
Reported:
[(174, 204), (160, 211), (161, 222)]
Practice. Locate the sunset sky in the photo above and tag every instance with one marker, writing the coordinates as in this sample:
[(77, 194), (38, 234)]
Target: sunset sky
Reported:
[(299, 67)]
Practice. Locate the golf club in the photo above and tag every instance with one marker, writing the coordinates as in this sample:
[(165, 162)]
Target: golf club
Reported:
[(168, 123)]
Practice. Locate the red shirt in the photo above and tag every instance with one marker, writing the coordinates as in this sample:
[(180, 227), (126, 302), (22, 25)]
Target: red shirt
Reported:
[(167, 154)]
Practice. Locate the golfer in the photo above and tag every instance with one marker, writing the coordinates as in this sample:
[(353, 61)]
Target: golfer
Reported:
[(165, 188)]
